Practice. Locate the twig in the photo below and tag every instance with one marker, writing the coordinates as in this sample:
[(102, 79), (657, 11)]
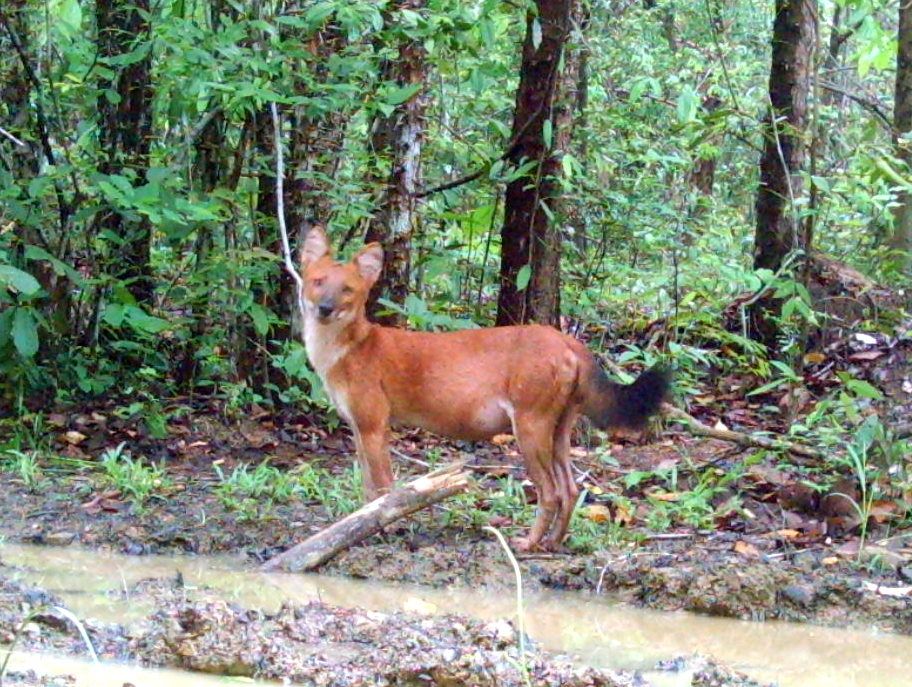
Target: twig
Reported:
[(740, 438), (280, 207), (11, 137), (869, 105)]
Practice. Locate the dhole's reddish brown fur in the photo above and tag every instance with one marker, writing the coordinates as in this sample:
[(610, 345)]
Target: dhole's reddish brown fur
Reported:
[(531, 381)]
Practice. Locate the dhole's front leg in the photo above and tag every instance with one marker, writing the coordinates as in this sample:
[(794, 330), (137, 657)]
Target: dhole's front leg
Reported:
[(374, 459), (370, 424)]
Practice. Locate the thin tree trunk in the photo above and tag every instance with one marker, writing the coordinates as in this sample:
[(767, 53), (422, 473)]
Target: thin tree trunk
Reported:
[(530, 241), (778, 230), (397, 140), (902, 124), (125, 129), (703, 174)]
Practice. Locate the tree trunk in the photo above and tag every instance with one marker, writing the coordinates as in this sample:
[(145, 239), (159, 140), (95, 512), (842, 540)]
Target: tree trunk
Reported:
[(125, 129), (777, 233), (530, 241), (902, 124), (703, 174), (396, 140)]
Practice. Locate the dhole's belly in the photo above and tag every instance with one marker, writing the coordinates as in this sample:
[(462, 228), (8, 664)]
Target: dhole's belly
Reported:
[(465, 419)]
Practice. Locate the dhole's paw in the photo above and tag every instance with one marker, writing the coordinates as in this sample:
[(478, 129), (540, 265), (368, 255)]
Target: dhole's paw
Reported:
[(524, 545), (552, 544)]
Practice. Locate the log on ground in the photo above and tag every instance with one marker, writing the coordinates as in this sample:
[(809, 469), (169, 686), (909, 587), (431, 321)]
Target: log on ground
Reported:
[(420, 493)]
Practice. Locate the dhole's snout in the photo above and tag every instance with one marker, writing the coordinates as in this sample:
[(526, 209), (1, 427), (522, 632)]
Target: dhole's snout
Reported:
[(325, 308)]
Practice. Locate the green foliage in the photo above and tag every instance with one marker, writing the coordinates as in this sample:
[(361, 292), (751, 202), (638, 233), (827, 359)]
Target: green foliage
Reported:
[(135, 479), (253, 492)]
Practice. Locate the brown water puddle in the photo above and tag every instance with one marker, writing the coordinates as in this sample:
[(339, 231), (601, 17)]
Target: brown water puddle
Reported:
[(597, 631), (90, 675)]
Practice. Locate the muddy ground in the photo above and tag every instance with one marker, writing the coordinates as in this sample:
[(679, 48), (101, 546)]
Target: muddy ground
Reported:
[(751, 569), (312, 644)]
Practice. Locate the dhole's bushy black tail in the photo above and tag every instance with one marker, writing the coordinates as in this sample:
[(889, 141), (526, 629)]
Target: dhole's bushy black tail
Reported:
[(609, 404)]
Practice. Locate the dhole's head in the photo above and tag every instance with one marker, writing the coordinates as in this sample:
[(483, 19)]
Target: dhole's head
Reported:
[(335, 292)]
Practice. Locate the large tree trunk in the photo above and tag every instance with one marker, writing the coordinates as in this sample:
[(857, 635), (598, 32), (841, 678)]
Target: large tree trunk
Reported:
[(396, 141), (530, 241), (125, 129), (902, 123), (778, 230)]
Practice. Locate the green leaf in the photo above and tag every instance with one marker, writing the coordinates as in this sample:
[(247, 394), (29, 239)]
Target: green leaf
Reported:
[(318, 13), (140, 320), (397, 96), (18, 280), (113, 314), (547, 133), (260, 317), (768, 387), (25, 332), (859, 387), (687, 105), (70, 14), (523, 277), (60, 267)]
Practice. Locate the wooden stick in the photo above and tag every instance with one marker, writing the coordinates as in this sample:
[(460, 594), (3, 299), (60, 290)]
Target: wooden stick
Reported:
[(740, 438), (371, 518)]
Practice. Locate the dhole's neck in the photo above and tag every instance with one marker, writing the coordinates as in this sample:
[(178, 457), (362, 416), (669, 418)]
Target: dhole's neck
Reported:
[(328, 344)]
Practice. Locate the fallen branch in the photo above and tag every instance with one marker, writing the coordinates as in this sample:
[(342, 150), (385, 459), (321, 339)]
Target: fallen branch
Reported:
[(740, 438), (371, 518)]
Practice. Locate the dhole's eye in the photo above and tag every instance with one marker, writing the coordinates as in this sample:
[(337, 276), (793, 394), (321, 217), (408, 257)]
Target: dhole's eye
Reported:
[(318, 281), (347, 290)]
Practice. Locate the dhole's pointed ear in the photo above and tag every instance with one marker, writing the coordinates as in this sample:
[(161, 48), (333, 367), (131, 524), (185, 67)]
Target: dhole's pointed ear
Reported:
[(315, 246), (369, 261)]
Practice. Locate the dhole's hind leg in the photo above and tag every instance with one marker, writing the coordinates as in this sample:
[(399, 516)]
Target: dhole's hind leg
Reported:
[(535, 435), (567, 491)]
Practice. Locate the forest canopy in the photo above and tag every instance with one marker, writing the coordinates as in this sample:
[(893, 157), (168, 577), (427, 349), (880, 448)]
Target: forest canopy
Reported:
[(680, 176)]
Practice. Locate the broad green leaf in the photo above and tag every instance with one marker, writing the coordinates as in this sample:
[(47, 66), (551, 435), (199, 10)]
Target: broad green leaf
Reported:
[(60, 267), (860, 387), (114, 314), (397, 96), (687, 105), (547, 133), (260, 317), (18, 280), (25, 332), (70, 14), (523, 277), (536, 33)]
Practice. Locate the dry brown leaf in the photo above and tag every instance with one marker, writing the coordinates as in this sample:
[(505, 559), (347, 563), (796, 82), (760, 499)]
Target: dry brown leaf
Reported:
[(502, 439), (814, 358), (623, 515), (666, 496), (829, 560), (746, 549), (597, 512), (74, 438), (785, 534), (881, 511)]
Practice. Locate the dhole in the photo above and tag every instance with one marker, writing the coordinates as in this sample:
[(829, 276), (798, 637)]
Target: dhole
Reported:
[(531, 380)]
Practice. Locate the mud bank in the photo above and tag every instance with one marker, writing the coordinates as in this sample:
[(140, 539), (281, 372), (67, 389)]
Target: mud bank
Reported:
[(309, 644), (701, 573)]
